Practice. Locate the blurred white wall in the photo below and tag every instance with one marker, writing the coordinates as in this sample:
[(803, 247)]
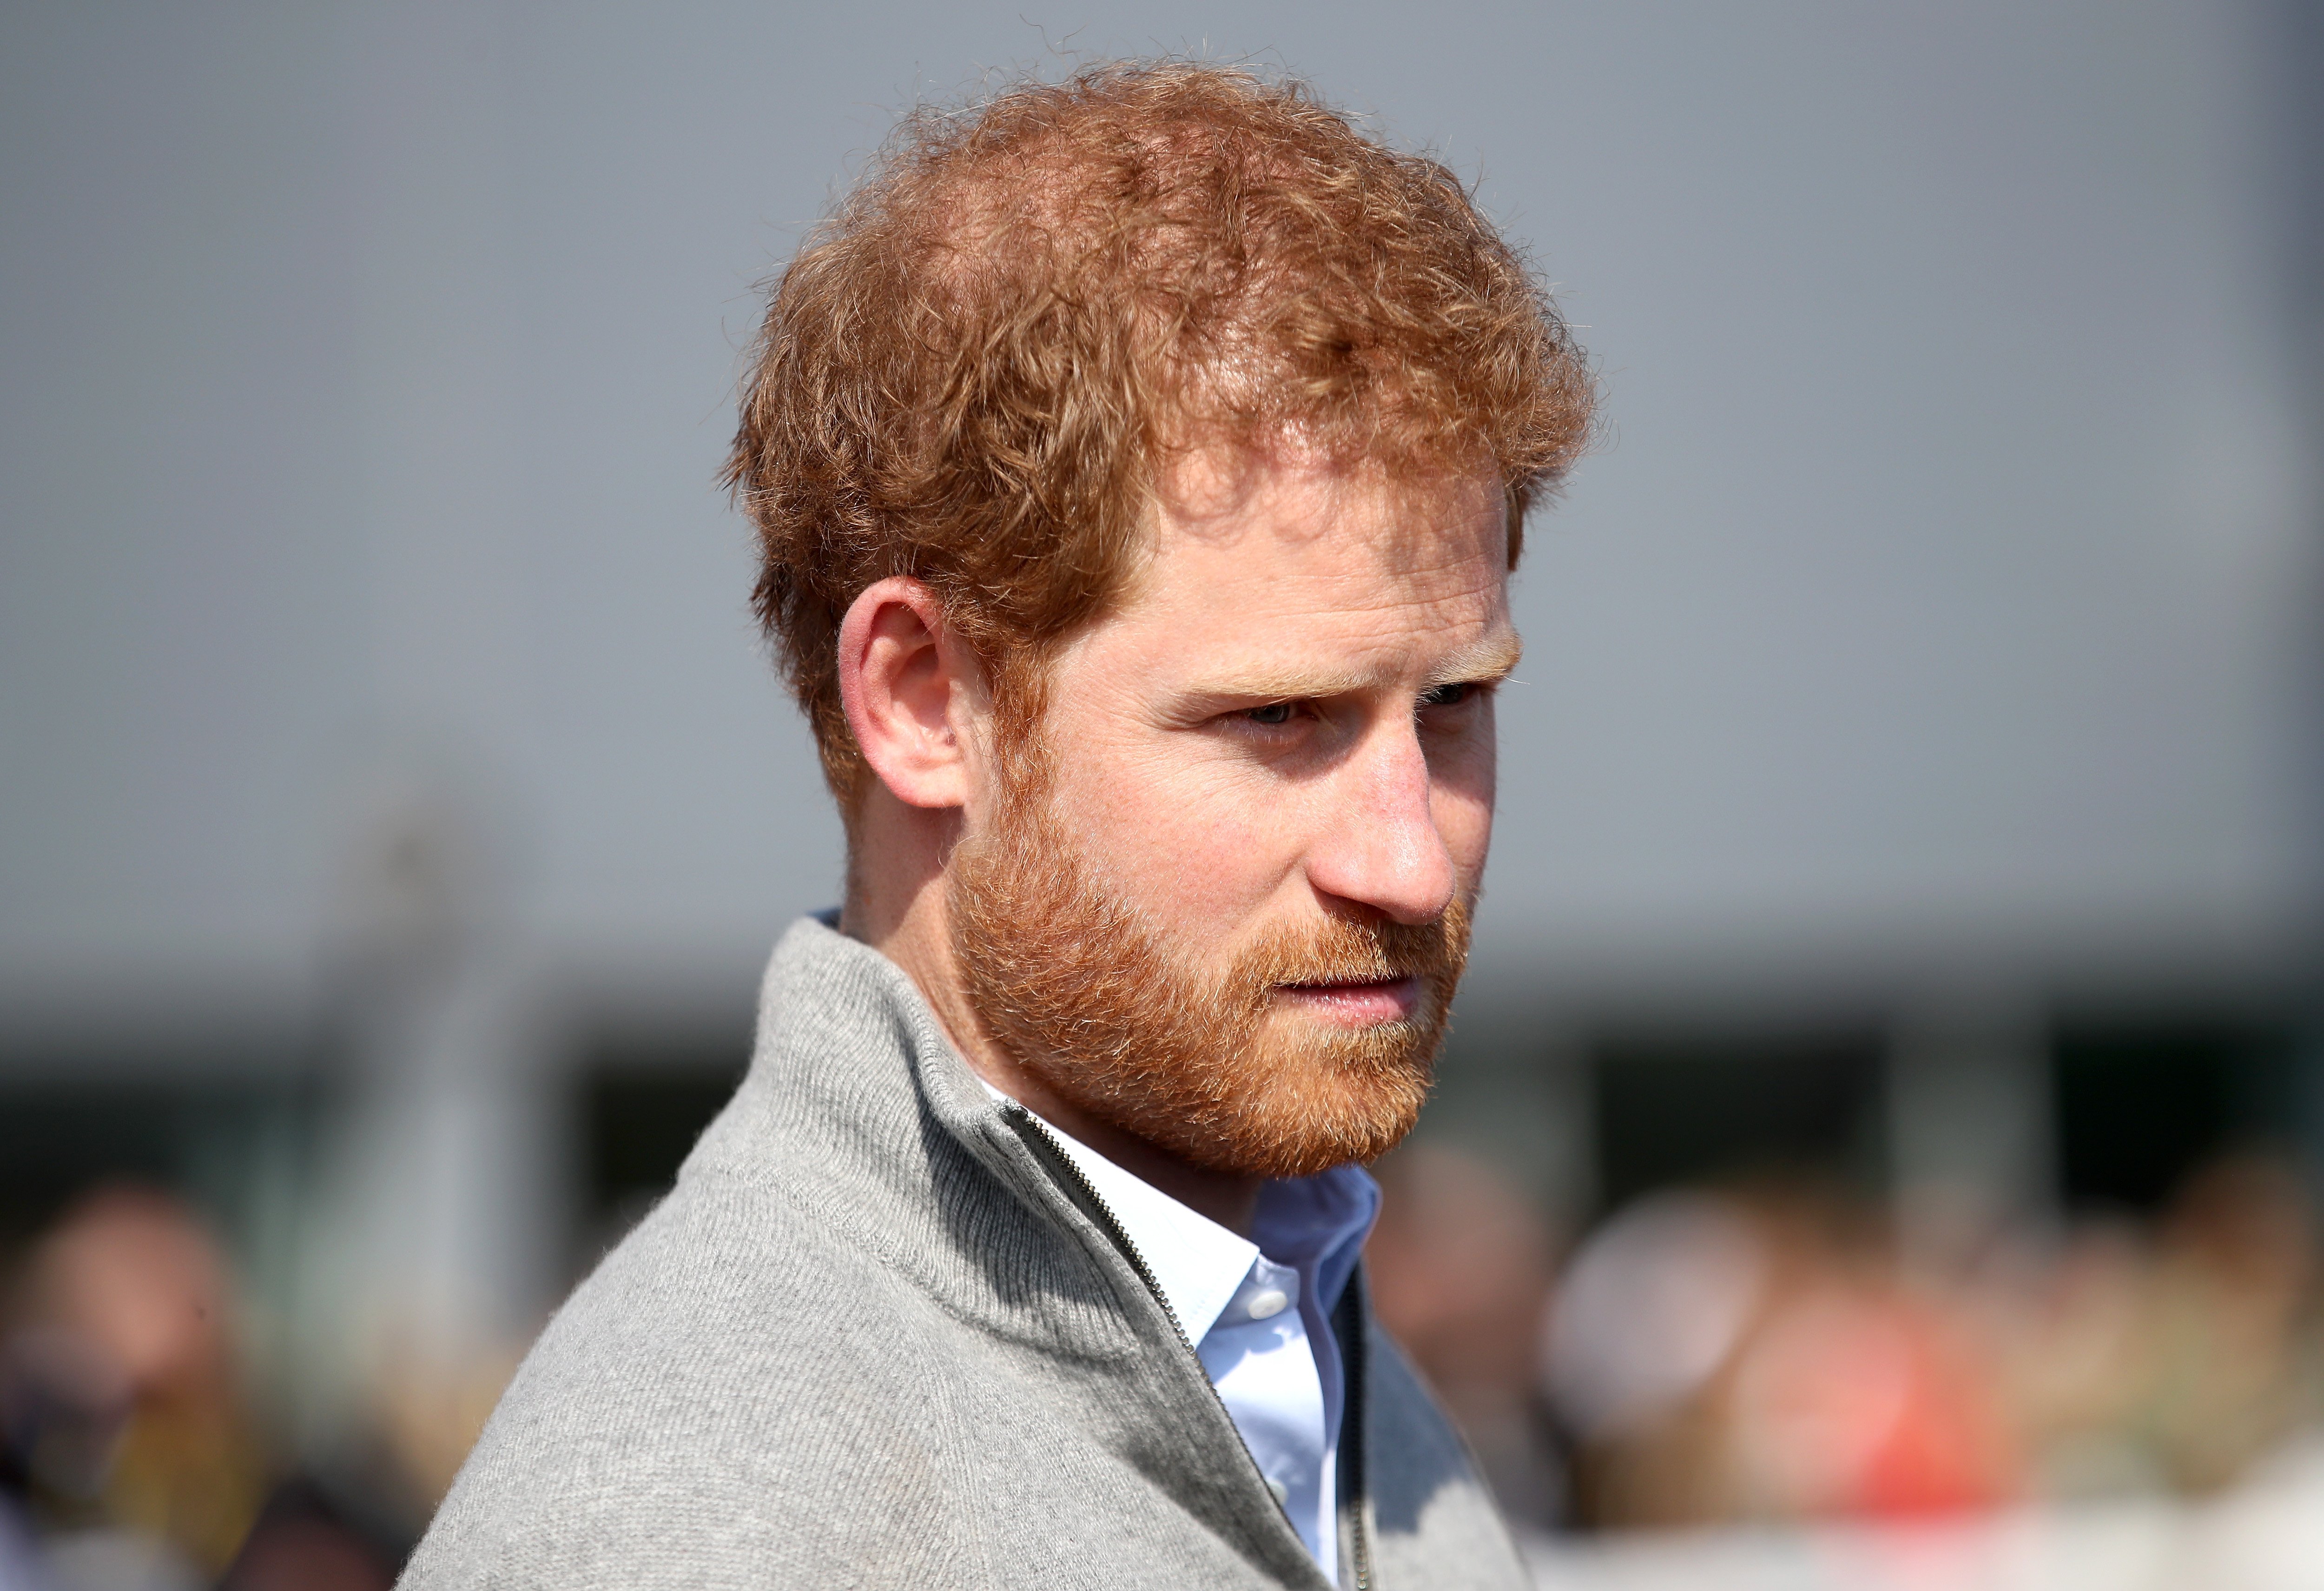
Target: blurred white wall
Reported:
[(1947, 583), (1945, 599)]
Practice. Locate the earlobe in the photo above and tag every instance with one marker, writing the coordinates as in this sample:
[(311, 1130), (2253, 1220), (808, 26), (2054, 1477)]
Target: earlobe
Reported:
[(900, 682)]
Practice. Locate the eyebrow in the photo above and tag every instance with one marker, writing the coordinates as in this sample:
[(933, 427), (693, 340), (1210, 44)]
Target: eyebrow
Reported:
[(1488, 659)]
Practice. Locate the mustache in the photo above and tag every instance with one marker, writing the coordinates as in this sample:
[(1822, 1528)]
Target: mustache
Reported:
[(1341, 951)]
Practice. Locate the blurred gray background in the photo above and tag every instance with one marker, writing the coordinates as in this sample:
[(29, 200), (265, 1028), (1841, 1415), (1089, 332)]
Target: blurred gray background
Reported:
[(1929, 658)]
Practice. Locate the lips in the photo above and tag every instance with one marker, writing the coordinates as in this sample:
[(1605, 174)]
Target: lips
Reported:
[(1355, 1003)]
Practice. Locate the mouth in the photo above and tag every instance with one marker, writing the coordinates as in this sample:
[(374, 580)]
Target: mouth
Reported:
[(1355, 1003)]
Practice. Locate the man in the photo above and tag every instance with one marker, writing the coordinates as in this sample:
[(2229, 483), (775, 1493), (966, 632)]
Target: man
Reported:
[(1137, 463)]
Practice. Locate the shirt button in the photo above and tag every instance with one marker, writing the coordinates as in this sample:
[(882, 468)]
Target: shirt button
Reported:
[(1282, 1493), (1264, 1305)]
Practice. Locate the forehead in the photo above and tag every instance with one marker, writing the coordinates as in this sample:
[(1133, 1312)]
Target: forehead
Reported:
[(1282, 564)]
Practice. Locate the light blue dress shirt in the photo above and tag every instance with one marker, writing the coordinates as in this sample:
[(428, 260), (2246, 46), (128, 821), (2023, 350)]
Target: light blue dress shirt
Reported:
[(1258, 1314)]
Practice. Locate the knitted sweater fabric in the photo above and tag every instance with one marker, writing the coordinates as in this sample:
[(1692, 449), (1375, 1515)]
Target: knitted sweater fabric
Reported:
[(880, 1334)]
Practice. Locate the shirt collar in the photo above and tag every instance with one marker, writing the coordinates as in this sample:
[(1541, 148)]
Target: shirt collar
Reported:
[(1315, 1225)]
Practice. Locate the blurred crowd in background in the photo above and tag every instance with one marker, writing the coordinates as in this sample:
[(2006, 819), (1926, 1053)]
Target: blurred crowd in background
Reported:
[(1762, 1349), (139, 1452), (1766, 1350)]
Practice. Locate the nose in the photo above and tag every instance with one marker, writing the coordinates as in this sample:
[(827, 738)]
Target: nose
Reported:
[(1381, 849)]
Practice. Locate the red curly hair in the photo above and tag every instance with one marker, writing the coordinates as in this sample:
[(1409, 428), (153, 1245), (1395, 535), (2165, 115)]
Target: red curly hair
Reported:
[(978, 367)]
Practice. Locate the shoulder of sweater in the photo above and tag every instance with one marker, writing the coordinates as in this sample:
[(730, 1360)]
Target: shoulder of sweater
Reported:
[(1434, 1521)]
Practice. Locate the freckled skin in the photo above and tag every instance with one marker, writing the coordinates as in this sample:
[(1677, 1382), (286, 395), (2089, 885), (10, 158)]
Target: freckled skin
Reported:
[(1288, 715)]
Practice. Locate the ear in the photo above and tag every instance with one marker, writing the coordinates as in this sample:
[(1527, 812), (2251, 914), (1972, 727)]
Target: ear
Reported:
[(908, 687)]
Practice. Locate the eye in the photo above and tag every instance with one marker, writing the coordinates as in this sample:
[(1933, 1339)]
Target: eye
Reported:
[(1448, 695), (1273, 713)]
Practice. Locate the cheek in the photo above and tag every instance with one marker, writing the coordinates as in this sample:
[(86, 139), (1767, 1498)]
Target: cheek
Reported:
[(1465, 824), (1461, 795), (1195, 845)]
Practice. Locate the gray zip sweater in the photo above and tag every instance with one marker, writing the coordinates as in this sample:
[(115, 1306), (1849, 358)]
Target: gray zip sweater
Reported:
[(882, 1334)]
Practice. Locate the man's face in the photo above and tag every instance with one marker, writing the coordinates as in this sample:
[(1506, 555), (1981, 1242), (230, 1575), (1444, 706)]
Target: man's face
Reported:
[(1222, 902)]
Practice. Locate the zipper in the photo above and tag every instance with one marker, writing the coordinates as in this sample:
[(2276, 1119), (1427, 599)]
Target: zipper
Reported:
[(1026, 1122)]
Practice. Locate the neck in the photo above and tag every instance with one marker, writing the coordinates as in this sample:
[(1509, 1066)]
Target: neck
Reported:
[(896, 905)]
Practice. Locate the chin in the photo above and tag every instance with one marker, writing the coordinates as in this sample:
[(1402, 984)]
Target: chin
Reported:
[(1313, 1113)]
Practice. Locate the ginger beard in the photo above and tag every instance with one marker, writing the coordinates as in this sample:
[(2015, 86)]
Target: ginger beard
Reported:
[(1089, 994)]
